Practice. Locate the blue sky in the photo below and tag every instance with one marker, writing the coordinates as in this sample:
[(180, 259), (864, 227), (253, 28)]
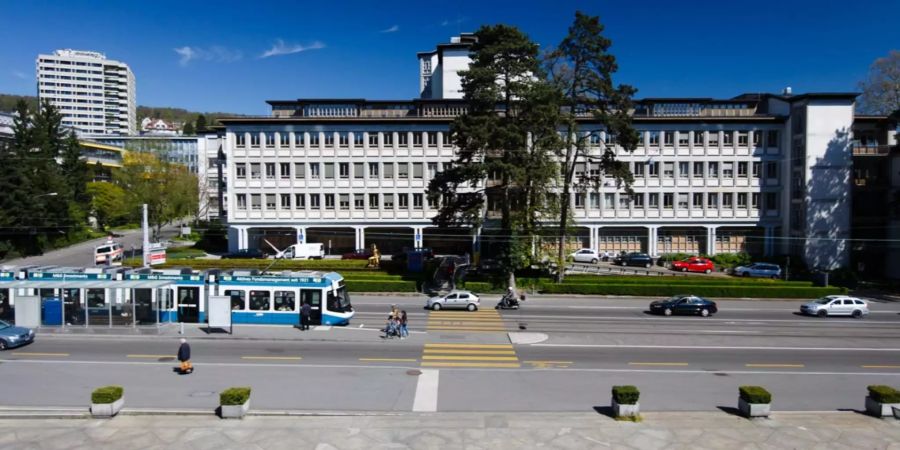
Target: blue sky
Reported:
[(232, 56)]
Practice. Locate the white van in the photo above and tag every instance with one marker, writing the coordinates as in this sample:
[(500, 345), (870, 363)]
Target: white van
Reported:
[(305, 251), (109, 254)]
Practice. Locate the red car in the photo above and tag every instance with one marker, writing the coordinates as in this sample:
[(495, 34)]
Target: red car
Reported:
[(694, 264), (360, 253)]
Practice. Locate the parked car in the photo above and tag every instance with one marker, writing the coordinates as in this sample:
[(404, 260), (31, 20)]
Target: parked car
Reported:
[(836, 305), (684, 304), (764, 270), (12, 336), (454, 300), (634, 259), (694, 264), (360, 253), (586, 255)]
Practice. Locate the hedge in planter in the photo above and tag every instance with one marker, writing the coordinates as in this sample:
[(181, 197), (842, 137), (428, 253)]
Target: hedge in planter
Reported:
[(234, 396), (625, 395), (755, 394), (884, 394), (106, 394)]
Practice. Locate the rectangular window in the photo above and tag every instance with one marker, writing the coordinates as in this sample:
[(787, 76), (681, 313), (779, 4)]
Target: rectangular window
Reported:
[(389, 171), (698, 200), (417, 139), (771, 201), (609, 200), (754, 200), (344, 200), (359, 170), (742, 169), (756, 168), (683, 138), (714, 170), (653, 169), (772, 170), (698, 170), (299, 138), (682, 200), (684, 169), (388, 201), (270, 139), (742, 139), (256, 201), (402, 170), (373, 139), (637, 200), (299, 201), (669, 169), (343, 139), (698, 139), (712, 200), (270, 202), (668, 138), (579, 200), (641, 138), (270, 170), (417, 170), (653, 201), (727, 138), (284, 301), (285, 201), (285, 170), (403, 201), (445, 139), (432, 139), (329, 139), (654, 138), (254, 139), (284, 139), (299, 170), (329, 201), (329, 170), (359, 201), (242, 201), (259, 301), (757, 138), (314, 171), (403, 139), (314, 139), (667, 200), (432, 170), (255, 171), (240, 170), (595, 200), (772, 138), (742, 200), (432, 202), (713, 138), (727, 200), (417, 201), (373, 170), (344, 169), (373, 201), (314, 202), (388, 139), (358, 139), (728, 169), (240, 140)]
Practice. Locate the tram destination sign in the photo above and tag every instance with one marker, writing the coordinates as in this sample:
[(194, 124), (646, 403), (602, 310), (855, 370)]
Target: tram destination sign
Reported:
[(69, 276), (263, 279)]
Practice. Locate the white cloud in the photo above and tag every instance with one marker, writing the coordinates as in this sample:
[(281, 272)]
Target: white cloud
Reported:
[(457, 21), (215, 53), (392, 29), (280, 48), (18, 74)]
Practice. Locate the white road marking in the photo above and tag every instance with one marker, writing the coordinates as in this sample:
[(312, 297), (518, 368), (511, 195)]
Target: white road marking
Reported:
[(706, 347), (426, 391)]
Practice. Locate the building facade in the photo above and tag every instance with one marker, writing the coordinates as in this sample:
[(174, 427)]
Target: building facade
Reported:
[(95, 95), (184, 150)]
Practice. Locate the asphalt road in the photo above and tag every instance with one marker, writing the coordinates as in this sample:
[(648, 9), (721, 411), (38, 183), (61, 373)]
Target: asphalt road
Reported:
[(462, 361)]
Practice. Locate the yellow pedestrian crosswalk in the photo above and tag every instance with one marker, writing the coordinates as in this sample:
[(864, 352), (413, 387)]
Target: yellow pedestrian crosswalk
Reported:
[(481, 321), (470, 355)]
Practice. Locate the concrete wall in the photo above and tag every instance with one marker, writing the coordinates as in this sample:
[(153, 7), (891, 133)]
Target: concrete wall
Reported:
[(451, 82)]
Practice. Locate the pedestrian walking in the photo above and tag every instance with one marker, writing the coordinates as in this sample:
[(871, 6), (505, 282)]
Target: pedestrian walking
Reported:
[(184, 355), (305, 312), (404, 332)]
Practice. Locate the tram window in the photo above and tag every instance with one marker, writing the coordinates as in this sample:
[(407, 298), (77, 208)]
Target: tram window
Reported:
[(284, 300), (311, 297), (96, 298), (237, 299), (164, 297), (259, 300)]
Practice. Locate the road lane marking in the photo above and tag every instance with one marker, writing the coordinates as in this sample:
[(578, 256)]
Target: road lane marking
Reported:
[(469, 352), (776, 366), (469, 358), (388, 359), (473, 365), (705, 347), (548, 362), (275, 358), (880, 367), (483, 346), (491, 329), (150, 356), (657, 364), (38, 354), (426, 391)]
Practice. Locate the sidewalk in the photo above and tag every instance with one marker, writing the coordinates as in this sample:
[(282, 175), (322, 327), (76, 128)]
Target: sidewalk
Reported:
[(714, 430)]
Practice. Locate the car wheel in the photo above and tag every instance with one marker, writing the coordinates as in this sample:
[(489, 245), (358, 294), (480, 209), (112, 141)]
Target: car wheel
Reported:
[(856, 314), (822, 313), (668, 311), (594, 261), (647, 265), (704, 312), (436, 307), (684, 269), (707, 271), (471, 307), (3, 345)]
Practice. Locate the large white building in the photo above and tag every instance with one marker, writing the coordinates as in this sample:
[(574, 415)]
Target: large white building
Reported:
[(95, 95), (761, 173)]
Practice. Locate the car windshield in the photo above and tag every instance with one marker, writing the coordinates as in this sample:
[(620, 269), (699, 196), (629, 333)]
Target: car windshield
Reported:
[(674, 298), (823, 301), (4, 325)]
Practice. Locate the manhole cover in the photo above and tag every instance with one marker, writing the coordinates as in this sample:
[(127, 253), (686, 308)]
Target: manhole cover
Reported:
[(414, 372), (202, 394), (166, 359)]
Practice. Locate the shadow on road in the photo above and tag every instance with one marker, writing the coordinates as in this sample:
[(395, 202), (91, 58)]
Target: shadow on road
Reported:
[(605, 411), (730, 410)]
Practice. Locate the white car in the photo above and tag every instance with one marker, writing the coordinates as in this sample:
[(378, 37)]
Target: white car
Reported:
[(455, 299), (586, 255), (836, 305)]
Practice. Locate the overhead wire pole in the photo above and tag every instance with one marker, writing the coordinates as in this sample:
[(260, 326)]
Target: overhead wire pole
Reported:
[(146, 244)]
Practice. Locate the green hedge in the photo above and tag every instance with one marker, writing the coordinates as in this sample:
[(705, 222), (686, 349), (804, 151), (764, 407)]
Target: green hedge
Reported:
[(107, 394), (884, 394), (234, 396), (701, 290), (381, 286), (755, 394), (626, 395), (670, 279)]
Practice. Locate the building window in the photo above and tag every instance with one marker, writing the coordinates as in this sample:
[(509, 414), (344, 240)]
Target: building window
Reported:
[(403, 201), (270, 202), (698, 169), (754, 200), (299, 170), (373, 201), (359, 171), (771, 201), (329, 201), (254, 139), (667, 200), (359, 201), (240, 140), (314, 171), (388, 201), (314, 139), (742, 139), (329, 139), (772, 138), (285, 201), (579, 200), (757, 138), (668, 138), (358, 139), (403, 139), (373, 170), (314, 201), (609, 200), (637, 200), (299, 201), (713, 170), (682, 200), (653, 169), (345, 201), (698, 200), (756, 168), (742, 169), (742, 200), (329, 170), (417, 139), (270, 170), (417, 170), (684, 169), (417, 201), (683, 138), (654, 138), (728, 170), (595, 200), (432, 202), (653, 200), (641, 138), (240, 170), (594, 139), (445, 139), (698, 139), (402, 170), (432, 139), (298, 139), (727, 138), (344, 169), (256, 201), (669, 170), (285, 170), (432, 170), (639, 170), (713, 139), (343, 139), (373, 139), (712, 200), (388, 139), (284, 139), (389, 171), (772, 170), (727, 200), (242, 201), (255, 171)]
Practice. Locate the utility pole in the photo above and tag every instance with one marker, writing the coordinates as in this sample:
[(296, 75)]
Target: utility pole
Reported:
[(146, 245)]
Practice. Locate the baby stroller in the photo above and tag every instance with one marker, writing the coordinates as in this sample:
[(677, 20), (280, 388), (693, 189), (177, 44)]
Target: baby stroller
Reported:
[(391, 329)]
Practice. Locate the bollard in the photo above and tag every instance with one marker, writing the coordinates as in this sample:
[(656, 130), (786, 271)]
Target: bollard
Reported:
[(182, 328)]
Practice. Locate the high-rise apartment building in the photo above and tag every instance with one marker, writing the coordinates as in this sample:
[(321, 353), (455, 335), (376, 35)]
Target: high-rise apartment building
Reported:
[(95, 95)]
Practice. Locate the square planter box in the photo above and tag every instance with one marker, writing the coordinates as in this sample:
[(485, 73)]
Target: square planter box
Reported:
[(880, 409), (754, 409), (235, 411), (626, 410), (107, 409)]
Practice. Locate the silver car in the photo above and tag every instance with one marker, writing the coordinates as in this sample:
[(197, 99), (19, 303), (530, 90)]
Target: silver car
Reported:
[(764, 270), (836, 305), (454, 300), (12, 336)]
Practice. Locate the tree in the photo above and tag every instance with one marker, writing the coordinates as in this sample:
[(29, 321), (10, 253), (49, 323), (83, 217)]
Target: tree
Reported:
[(108, 203), (169, 189), (200, 124), (503, 140), (881, 90), (188, 129), (75, 172), (582, 69), (15, 202)]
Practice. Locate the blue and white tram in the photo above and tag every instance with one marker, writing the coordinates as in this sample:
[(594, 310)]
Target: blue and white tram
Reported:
[(276, 299)]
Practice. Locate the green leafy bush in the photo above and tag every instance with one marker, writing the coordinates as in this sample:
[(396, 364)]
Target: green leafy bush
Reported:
[(106, 394), (234, 396), (626, 395), (755, 394), (730, 260), (884, 394)]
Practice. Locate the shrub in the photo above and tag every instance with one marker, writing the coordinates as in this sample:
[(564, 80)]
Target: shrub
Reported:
[(884, 394), (234, 396), (106, 394), (625, 395), (755, 394), (730, 260)]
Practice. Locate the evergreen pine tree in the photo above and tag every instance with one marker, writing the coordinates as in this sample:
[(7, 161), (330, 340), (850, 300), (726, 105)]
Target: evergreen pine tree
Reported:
[(188, 129), (200, 124)]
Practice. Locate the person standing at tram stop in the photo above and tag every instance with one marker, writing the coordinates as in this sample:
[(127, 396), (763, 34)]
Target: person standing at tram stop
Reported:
[(184, 355), (305, 312), (404, 333)]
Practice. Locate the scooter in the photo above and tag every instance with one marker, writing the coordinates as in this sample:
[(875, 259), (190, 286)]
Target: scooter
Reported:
[(508, 301)]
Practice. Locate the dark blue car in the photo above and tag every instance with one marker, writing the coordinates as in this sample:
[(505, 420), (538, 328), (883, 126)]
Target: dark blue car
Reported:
[(684, 304), (12, 336)]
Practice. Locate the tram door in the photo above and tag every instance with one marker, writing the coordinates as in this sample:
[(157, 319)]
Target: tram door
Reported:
[(143, 306), (188, 304), (314, 298)]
